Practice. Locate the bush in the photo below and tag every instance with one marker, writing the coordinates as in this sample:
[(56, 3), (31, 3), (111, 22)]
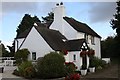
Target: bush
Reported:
[(51, 66), (29, 72), (21, 55), (99, 62), (23, 69), (74, 76), (70, 67), (16, 72)]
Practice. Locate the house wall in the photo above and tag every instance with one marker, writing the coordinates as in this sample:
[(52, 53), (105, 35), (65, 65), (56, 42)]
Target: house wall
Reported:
[(18, 43), (70, 58), (64, 28), (35, 43), (96, 46), (80, 35)]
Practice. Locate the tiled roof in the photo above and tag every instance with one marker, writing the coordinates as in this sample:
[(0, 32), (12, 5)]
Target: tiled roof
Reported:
[(23, 34), (55, 39), (52, 37), (75, 45), (80, 27)]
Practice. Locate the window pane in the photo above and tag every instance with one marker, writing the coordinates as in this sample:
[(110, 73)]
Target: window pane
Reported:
[(33, 55), (74, 57)]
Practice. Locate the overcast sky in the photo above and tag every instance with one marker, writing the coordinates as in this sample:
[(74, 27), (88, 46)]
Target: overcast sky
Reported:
[(96, 14)]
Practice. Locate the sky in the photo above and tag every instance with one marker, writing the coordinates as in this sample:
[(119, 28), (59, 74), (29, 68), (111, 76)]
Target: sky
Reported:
[(97, 15)]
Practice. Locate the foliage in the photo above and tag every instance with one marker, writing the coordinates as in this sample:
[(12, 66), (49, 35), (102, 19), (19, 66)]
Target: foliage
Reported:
[(91, 61), (21, 55), (29, 72), (116, 22), (51, 66), (48, 18), (65, 52), (5, 53), (89, 53), (16, 72), (74, 76), (83, 53), (116, 25), (83, 67), (98, 62), (109, 47), (12, 49), (27, 22), (23, 66), (70, 67)]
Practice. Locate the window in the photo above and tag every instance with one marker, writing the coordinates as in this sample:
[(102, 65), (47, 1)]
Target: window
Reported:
[(86, 38), (33, 55), (92, 40), (74, 57)]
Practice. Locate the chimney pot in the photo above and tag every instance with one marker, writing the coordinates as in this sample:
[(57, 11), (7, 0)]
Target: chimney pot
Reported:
[(57, 4), (61, 3)]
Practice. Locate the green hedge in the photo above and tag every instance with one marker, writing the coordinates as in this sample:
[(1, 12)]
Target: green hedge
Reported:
[(51, 66)]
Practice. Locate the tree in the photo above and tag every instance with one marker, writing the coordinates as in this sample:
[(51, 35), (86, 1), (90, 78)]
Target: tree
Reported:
[(108, 48), (5, 53), (27, 22), (116, 25), (48, 18), (116, 22), (12, 49)]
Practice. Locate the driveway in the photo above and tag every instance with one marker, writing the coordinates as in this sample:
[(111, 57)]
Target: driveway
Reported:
[(110, 73), (7, 74)]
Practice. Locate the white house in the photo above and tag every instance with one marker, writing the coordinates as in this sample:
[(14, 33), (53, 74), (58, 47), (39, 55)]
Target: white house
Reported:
[(64, 34)]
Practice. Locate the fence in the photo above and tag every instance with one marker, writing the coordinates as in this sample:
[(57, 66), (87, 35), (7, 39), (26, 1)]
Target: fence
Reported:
[(7, 61)]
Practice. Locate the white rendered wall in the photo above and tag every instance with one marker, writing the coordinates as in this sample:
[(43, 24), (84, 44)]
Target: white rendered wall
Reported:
[(80, 35), (78, 61), (18, 42), (96, 46), (59, 13), (35, 43)]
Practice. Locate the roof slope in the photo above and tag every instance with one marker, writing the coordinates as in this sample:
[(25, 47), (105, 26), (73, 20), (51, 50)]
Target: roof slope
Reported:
[(75, 45), (55, 39), (52, 37), (80, 27)]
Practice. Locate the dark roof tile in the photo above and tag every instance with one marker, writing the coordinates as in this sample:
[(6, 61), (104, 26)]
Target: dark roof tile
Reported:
[(80, 27)]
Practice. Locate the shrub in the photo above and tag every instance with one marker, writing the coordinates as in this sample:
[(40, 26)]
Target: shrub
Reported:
[(16, 72), (23, 66), (51, 66), (99, 62), (29, 72), (74, 76), (21, 55), (70, 67), (92, 61), (84, 67)]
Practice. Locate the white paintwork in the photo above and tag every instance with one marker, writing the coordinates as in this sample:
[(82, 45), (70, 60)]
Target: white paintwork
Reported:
[(78, 58), (18, 43), (35, 43), (80, 35), (96, 46)]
